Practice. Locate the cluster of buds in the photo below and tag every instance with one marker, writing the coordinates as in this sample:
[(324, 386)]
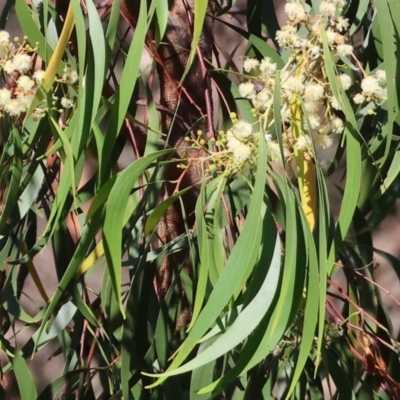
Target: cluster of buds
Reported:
[(228, 151), (310, 111), (22, 79), (234, 150), (16, 63), (374, 90), (242, 144)]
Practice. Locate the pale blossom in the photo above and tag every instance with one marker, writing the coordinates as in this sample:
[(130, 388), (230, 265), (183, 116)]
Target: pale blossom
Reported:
[(381, 76), (6, 47), (330, 36), (241, 153), (262, 100), (339, 39), (339, 3), (345, 81), (5, 97), (242, 130), (327, 9), (312, 106), (70, 76), (25, 100), (38, 76), (38, 114), (337, 125), (335, 104), (247, 90), (313, 121), (9, 67), (66, 102), (315, 50), (304, 142), (25, 83), (267, 66), (344, 50), (4, 50), (13, 108), (250, 63), (342, 24), (316, 28), (313, 92), (380, 97), (287, 37), (268, 137), (293, 84), (232, 141), (22, 62), (4, 36), (295, 11), (370, 85), (359, 98), (323, 141)]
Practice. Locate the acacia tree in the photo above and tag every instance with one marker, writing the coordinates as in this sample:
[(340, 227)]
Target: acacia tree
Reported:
[(221, 218)]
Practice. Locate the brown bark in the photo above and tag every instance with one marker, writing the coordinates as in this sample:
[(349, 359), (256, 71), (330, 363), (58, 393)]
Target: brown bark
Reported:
[(189, 101), (174, 54)]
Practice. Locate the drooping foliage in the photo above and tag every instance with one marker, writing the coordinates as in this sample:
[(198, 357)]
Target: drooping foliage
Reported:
[(182, 190)]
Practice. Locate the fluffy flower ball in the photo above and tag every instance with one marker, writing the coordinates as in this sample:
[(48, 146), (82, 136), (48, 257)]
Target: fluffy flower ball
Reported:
[(5, 97), (359, 98), (304, 142), (295, 10), (370, 85), (267, 66), (242, 130), (4, 37), (22, 62), (345, 81), (250, 63), (241, 153), (327, 8), (344, 50), (342, 24), (324, 141), (313, 92), (247, 90), (70, 76), (337, 125), (66, 102), (25, 83), (38, 76)]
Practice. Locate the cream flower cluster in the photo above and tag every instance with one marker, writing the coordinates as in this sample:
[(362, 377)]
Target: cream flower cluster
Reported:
[(239, 139), (373, 89), (306, 94), (233, 151), (15, 63), (21, 81)]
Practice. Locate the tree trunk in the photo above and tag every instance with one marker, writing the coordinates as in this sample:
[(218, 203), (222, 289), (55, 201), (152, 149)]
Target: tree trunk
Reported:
[(191, 101)]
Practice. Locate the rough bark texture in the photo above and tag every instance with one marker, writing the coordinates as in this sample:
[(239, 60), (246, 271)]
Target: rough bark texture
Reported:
[(189, 102), (174, 53)]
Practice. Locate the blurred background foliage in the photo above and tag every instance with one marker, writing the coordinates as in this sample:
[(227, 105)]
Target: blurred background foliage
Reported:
[(132, 257)]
